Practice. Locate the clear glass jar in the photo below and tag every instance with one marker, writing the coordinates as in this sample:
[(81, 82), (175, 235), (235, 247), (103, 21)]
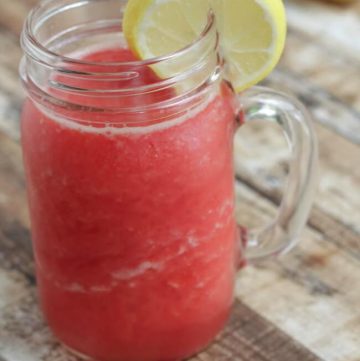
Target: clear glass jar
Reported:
[(130, 184)]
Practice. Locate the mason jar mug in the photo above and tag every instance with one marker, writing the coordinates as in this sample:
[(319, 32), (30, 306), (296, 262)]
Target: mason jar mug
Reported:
[(130, 183)]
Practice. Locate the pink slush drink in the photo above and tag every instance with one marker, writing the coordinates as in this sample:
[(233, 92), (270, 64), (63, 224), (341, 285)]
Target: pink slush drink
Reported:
[(133, 228)]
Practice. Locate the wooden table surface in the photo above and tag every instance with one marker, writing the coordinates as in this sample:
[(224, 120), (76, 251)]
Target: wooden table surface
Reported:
[(305, 306)]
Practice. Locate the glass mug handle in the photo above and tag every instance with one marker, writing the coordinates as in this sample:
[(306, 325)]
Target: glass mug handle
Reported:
[(259, 103)]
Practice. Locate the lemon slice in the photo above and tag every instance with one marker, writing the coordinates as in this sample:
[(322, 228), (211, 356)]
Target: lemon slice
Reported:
[(252, 32)]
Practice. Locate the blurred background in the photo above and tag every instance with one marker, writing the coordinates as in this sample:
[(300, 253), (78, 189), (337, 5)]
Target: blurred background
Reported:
[(313, 295)]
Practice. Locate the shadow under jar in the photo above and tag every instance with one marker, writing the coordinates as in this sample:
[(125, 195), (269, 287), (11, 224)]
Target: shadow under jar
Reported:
[(131, 184)]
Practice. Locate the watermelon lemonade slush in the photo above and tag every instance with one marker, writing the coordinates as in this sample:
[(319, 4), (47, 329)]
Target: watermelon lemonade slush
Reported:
[(133, 229)]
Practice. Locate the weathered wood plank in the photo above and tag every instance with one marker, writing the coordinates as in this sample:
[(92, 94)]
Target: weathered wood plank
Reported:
[(323, 105), (13, 286), (13, 13), (15, 257), (11, 93), (9, 115), (10, 59), (15, 246), (12, 182), (328, 24), (323, 66), (263, 166), (312, 294), (247, 338)]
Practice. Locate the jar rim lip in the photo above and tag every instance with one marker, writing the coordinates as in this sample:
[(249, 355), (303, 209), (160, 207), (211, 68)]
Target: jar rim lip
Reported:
[(29, 39)]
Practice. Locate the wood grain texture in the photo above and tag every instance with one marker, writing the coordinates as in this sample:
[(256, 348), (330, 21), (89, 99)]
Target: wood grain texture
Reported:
[(248, 338), (11, 93), (302, 307), (311, 294), (13, 13), (329, 25), (336, 210)]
